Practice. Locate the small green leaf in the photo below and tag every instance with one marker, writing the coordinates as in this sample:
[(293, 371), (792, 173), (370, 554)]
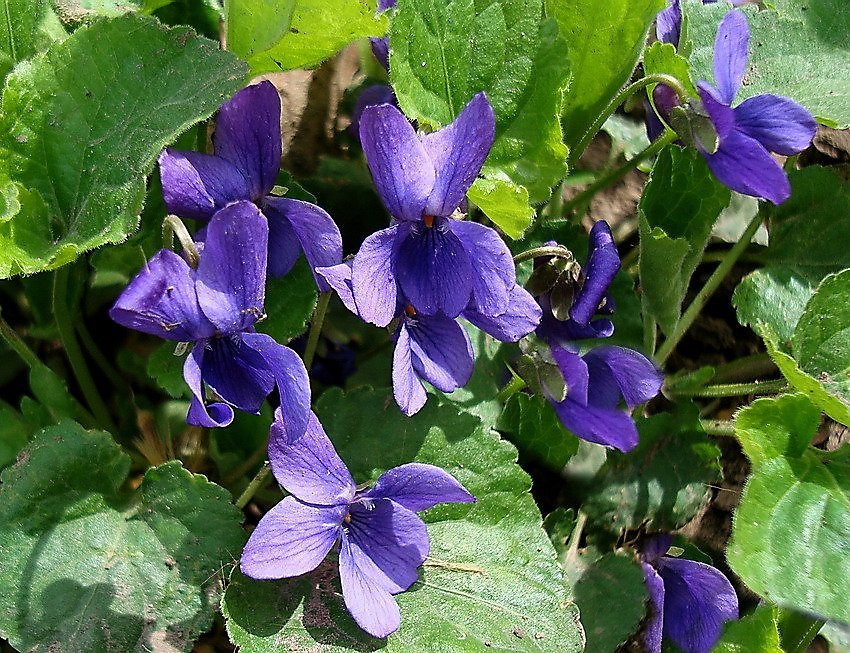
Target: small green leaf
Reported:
[(290, 301), (757, 632), (316, 30), (679, 206), (491, 580), (795, 506), (97, 569), (83, 123), (775, 296), (605, 41), (505, 203), (662, 58), (532, 425), (662, 483)]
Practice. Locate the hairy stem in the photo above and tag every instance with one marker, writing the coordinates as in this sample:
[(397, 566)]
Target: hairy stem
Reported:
[(743, 369), (255, 484), (173, 226), (722, 427), (511, 388), (316, 328), (735, 389), (17, 344)]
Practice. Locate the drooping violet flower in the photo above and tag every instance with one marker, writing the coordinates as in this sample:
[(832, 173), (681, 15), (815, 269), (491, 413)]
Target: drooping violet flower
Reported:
[(215, 307), (382, 542), (245, 167), (436, 348), (690, 601), (381, 45), (438, 263)]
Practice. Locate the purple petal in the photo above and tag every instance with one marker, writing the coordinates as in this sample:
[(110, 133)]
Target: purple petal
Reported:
[(408, 390), (521, 317), (310, 468), (338, 277), (458, 151), (609, 427), (603, 263), (433, 270), (216, 414), (401, 169), (745, 166), (247, 133), (494, 273), (372, 607), (441, 351), (655, 547), (417, 486), (284, 247), (316, 231), (232, 272), (372, 95), (237, 372), (698, 600), (381, 50), (655, 623), (385, 4), (636, 377), (730, 54), (575, 372), (668, 24), (373, 277), (394, 540), (721, 115), (777, 122), (161, 300), (291, 539), (292, 381), (196, 185)]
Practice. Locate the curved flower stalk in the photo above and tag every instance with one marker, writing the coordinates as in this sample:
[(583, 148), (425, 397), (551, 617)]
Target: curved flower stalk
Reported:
[(436, 348), (245, 167), (596, 384), (215, 307), (382, 542), (438, 263), (690, 601)]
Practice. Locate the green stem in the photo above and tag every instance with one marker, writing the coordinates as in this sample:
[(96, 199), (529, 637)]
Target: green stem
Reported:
[(255, 484), (557, 251), (735, 389), (723, 427), (707, 291), (650, 333), (316, 328), (745, 368), (658, 78), (615, 175), (65, 325), (511, 388), (100, 360), (17, 344)]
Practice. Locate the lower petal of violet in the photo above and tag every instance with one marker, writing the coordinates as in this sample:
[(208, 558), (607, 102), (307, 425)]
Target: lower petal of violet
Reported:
[(237, 372), (441, 351), (655, 622)]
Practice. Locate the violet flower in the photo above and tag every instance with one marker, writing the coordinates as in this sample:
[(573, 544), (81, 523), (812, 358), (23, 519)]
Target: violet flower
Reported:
[(690, 601), (439, 264), (436, 348), (245, 167), (668, 22), (382, 542), (215, 307)]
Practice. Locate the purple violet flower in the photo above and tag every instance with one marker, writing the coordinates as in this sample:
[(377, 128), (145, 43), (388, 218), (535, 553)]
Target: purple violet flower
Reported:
[(245, 167), (438, 263), (382, 542), (668, 23), (436, 348), (215, 307), (690, 601)]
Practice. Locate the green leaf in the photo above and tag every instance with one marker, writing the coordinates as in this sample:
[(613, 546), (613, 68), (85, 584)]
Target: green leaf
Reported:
[(612, 580), (445, 51), (628, 136), (77, 11), (290, 301), (491, 581), (14, 432), (97, 569), (662, 483), (757, 632), (801, 53), (795, 507), (680, 204), (317, 30), (27, 27), (559, 525), (83, 123), (775, 296), (663, 58), (505, 203), (605, 42), (166, 368), (532, 425)]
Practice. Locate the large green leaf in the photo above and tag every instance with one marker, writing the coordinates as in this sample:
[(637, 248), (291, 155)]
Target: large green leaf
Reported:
[(775, 296), (26, 28), (801, 53), (275, 36), (445, 51), (491, 581), (96, 569), (757, 632), (83, 123), (662, 483), (679, 206), (605, 42), (795, 509), (531, 423)]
